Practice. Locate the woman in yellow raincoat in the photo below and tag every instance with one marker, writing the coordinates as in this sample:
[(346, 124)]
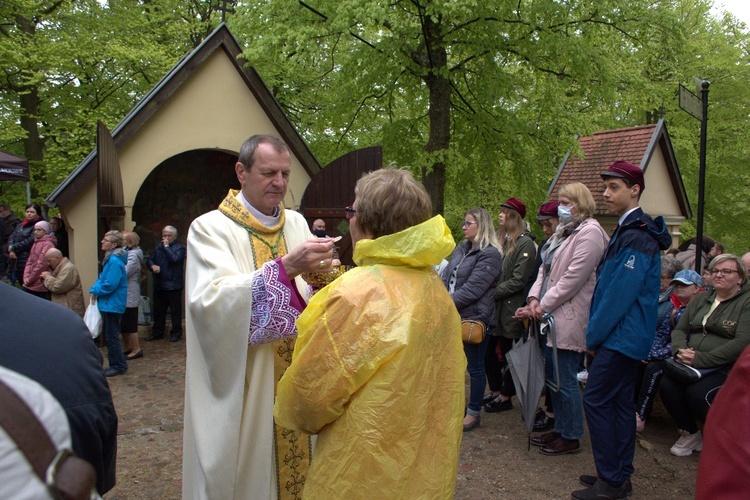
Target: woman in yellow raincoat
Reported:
[(378, 369)]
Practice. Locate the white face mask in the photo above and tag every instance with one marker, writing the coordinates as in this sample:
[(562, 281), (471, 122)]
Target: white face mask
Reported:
[(564, 214)]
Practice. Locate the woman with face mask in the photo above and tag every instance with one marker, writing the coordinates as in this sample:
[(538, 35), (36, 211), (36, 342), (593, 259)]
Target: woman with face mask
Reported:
[(563, 288)]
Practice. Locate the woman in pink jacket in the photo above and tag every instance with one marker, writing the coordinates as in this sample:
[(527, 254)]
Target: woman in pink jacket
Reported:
[(36, 263), (563, 288)]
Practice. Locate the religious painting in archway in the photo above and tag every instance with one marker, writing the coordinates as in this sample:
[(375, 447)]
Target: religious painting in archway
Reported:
[(179, 190)]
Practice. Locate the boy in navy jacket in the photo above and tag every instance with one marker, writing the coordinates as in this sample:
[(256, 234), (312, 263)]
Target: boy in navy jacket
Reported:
[(621, 330)]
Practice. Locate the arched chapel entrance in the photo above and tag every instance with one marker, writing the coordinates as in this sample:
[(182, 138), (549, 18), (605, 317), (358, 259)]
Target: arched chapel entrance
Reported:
[(179, 190)]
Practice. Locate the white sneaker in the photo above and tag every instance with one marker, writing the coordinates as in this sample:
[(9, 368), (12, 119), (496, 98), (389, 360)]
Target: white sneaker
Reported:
[(687, 444), (583, 376)]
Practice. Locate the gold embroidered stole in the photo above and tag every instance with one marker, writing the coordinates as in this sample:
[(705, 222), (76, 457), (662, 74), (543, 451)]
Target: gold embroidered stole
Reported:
[(292, 449)]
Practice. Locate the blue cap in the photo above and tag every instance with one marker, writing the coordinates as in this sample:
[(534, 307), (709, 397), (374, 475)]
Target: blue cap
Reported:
[(687, 277)]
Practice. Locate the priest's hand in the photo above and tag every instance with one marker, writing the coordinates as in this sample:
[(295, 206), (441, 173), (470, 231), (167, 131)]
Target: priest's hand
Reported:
[(313, 256)]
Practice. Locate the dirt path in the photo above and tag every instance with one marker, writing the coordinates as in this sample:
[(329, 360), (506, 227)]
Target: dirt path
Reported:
[(495, 462)]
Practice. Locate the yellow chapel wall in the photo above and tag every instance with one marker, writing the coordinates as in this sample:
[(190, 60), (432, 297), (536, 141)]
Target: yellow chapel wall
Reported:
[(214, 109), (659, 197)]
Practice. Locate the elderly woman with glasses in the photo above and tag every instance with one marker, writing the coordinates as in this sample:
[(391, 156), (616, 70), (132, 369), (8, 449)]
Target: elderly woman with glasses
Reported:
[(710, 336), (111, 292), (378, 368)]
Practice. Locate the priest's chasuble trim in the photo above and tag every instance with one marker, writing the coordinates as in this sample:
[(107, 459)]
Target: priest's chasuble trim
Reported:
[(292, 450)]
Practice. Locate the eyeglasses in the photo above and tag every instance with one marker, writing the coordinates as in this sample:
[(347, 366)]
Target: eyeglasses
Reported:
[(723, 272), (468, 223), (349, 213)]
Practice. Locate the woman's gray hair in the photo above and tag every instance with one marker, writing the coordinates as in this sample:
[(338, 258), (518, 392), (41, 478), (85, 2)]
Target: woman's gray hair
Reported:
[(114, 237), (670, 266)]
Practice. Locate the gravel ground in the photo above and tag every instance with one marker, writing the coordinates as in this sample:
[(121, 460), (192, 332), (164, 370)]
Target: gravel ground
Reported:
[(495, 462)]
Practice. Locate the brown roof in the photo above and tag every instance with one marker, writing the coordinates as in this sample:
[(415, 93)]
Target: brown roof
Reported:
[(634, 145), (220, 40)]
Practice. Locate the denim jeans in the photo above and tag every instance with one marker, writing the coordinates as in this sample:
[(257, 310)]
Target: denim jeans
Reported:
[(475, 367), (111, 327), (566, 402)]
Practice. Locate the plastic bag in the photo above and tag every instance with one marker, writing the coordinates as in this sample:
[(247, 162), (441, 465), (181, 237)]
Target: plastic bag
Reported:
[(93, 319)]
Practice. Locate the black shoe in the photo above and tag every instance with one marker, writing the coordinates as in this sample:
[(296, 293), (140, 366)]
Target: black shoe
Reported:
[(544, 423), (111, 372), (174, 338), (561, 446), (154, 337), (545, 439), (601, 490), (137, 355), (471, 426), (590, 481), (127, 352), (488, 397), (496, 406)]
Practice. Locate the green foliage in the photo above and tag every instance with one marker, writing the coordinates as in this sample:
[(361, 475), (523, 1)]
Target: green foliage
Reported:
[(525, 79)]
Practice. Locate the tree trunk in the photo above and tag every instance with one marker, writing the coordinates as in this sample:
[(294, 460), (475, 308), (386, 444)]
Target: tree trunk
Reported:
[(28, 97), (439, 114)]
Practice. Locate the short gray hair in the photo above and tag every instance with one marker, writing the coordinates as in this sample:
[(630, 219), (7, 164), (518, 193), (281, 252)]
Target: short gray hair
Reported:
[(170, 229), (670, 266), (114, 237), (247, 151)]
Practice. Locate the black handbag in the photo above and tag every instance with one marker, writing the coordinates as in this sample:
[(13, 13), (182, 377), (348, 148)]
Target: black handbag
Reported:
[(680, 371), (686, 374)]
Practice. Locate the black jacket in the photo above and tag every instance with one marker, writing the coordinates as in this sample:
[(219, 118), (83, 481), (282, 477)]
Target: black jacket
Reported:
[(22, 239), (477, 275), (7, 226), (51, 345), (171, 261)]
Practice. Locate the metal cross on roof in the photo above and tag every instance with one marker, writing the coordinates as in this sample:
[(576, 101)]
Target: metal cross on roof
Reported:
[(225, 6)]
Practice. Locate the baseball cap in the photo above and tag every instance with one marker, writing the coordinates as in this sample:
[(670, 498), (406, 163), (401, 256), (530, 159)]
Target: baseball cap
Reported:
[(687, 277)]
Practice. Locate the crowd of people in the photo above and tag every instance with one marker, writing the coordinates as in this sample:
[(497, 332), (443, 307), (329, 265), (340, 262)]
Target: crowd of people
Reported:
[(622, 305), (367, 366)]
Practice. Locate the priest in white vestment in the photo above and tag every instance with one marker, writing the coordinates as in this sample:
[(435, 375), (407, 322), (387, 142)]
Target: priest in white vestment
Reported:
[(243, 295)]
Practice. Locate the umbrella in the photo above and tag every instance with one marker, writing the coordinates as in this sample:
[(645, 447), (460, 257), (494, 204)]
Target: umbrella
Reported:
[(526, 364)]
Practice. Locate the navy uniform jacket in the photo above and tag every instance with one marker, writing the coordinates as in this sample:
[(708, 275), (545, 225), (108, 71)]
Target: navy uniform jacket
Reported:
[(626, 299), (51, 345)]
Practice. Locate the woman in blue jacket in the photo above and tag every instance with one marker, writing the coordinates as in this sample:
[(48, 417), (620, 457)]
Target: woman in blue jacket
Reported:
[(111, 291)]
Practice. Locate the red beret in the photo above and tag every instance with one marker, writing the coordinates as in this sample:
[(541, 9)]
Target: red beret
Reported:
[(547, 210), (627, 171), (516, 205)]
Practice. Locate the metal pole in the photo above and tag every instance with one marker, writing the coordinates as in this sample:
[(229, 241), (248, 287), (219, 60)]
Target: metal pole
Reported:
[(701, 177), (28, 193)]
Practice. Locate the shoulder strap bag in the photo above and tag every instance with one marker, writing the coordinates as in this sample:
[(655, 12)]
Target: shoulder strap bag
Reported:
[(67, 476)]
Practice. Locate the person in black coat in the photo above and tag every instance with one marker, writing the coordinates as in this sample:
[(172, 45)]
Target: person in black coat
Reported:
[(60, 232), (167, 263), (21, 241), (50, 344)]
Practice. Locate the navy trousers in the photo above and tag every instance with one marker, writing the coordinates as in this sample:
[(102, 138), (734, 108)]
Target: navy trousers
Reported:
[(610, 414)]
